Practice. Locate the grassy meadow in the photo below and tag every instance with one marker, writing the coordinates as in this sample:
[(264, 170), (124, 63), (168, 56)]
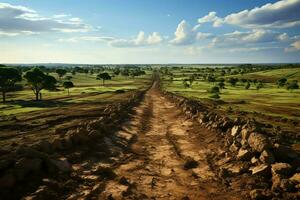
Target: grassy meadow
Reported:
[(268, 102)]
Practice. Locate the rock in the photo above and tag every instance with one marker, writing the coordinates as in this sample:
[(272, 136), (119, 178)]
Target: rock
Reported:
[(7, 181), (244, 154), (281, 169), (284, 153), (245, 134), (29, 165), (234, 147), (259, 194), (295, 178), (94, 134), (254, 160), (45, 146), (236, 168), (67, 142), (62, 164), (5, 164), (261, 170), (235, 131), (267, 157), (57, 144), (286, 185), (258, 142), (31, 153)]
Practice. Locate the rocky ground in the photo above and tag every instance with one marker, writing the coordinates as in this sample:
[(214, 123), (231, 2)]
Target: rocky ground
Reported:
[(155, 146)]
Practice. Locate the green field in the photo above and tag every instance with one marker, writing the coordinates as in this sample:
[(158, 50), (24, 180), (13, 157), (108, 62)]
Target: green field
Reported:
[(278, 103), (87, 89)]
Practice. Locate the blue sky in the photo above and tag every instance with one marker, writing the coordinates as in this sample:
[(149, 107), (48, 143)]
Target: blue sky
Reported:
[(156, 31)]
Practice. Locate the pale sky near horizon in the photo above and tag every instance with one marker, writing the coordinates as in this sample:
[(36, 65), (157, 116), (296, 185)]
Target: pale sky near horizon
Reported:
[(156, 31)]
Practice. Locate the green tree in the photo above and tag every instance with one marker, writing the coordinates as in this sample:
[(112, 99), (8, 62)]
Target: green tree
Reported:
[(281, 82), (61, 72), (247, 86), (259, 85), (8, 77), (39, 81), (233, 81), (221, 85), (292, 85), (103, 76), (68, 85), (215, 89)]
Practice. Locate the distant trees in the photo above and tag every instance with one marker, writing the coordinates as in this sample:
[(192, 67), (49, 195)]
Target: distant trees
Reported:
[(8, 77), (221, 85), (68, 85), (281, 82), (61, 72), (233, 81), (259, 85), (292, 85), (103, 76), (247, 86), (39, 81), (214, 92)]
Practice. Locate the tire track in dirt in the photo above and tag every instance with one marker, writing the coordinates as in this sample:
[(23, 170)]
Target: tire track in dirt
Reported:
[(165, 140)]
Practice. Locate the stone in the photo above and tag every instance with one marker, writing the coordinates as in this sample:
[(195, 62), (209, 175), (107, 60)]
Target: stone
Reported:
[(261, 170), (234, 147), (267, 157), (236, 168), (295, 178), (259, 194), (245, 135), (31, 153), (7, 181), (45, 146), (254, 160), (57, 144), (284, 153), (235, 131), (258, 142), (5, 164), (281, 169), (29, 165), (62, 164), (244, 154)]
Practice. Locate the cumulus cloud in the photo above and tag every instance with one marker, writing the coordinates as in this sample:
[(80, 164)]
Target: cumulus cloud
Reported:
[(184, 34), (254, 40), (295, 46), (211, 17), (281, 14), (20, 19), (140, 40)]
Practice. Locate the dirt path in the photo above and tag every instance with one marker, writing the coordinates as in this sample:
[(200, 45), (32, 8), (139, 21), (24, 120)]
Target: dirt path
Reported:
[(165, 141)]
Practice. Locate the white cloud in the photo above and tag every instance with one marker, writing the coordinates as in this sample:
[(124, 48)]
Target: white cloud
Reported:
[(154, 38), (86, 38), (283, 37), (281, 14), (22, 20), (295, 46), (211, 17), (140, 40), (184, 34), (61, 16)]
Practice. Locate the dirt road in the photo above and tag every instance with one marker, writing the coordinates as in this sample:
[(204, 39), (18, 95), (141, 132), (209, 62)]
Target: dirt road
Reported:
[(163, 157)]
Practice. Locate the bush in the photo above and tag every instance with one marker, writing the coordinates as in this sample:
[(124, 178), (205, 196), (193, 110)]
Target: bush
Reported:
[(214, 89)]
